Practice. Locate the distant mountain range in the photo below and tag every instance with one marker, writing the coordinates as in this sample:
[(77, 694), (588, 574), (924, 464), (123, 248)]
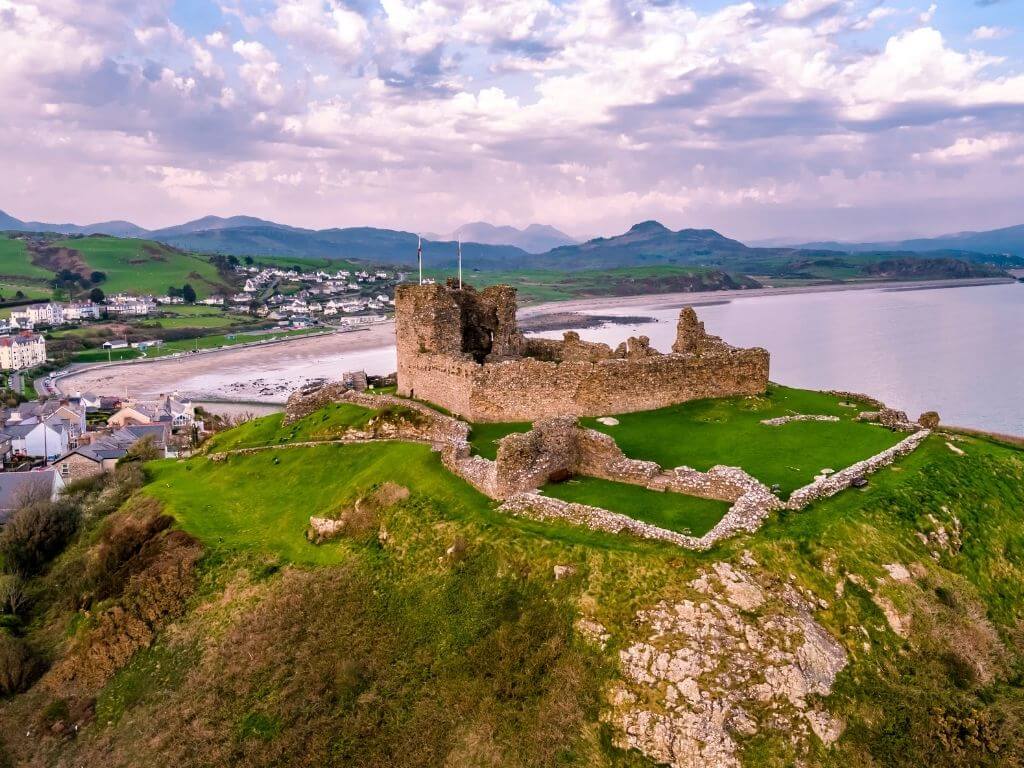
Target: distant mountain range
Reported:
[(536, 238), (646, 244), (1008, 241)]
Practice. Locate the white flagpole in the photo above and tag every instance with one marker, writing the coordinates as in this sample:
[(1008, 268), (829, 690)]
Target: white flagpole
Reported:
[(460, 263), (419, 256)]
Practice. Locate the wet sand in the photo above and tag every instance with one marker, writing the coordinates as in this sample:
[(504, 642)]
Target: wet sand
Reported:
[(269, 373), (266, 373)]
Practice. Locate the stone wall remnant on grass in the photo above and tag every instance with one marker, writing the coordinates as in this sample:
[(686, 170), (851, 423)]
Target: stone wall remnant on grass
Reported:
[(462, 349)]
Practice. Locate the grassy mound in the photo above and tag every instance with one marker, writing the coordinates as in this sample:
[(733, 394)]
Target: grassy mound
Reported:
[(326, 424)]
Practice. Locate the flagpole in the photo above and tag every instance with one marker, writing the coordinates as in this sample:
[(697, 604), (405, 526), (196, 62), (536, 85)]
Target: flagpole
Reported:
[(419, 256)]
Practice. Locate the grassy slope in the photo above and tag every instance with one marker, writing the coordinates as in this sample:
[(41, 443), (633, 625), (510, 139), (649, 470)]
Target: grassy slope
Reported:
[(674, 511), (14, 261), (401, 654), (143, 266), (325, 424)]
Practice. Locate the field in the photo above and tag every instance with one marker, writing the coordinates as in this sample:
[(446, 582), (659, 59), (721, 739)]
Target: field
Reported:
[(15, 262), (199, 316), (105, 355), (143, 266), (729, 431), (674, 511)]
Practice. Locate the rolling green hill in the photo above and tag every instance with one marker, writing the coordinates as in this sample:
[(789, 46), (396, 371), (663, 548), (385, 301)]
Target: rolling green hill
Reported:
[(143, 266), (189, 621)]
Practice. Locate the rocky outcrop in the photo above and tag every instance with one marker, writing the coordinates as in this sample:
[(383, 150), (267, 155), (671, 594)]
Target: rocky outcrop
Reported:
[(681, 706)]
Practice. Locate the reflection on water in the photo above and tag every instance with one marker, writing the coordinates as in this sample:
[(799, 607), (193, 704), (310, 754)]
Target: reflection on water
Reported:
[(956, 350)]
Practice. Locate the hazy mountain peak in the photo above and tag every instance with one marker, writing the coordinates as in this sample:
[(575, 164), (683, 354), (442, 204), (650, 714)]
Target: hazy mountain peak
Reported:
[(536, 238), (649, 227)]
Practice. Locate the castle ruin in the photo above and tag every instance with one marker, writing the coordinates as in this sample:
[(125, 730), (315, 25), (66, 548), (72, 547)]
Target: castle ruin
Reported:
[(461, 349)]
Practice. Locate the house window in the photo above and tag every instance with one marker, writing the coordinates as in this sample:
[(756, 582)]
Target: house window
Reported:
[(65, 469)]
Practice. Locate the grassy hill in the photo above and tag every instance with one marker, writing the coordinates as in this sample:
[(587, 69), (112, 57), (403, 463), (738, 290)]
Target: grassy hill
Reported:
[(189, 622), (143, 266)]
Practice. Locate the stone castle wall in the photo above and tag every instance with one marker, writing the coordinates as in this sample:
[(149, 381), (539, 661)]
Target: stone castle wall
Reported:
[(463, 350)]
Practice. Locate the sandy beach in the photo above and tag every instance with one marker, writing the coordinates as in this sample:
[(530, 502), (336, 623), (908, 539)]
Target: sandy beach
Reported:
[(269, 373)]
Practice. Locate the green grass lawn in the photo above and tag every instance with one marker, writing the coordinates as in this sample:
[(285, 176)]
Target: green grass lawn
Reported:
[(325, 424), (263, 501), (223, 340), (728, 431), (207, 318), (15, 262), (674, 511), (102, 355), (143, 266)]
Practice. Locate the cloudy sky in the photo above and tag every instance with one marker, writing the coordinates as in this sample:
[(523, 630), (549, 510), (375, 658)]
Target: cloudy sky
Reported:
[(808, 118)]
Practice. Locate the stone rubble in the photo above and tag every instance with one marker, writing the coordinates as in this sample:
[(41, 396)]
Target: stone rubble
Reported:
[(780, 420)]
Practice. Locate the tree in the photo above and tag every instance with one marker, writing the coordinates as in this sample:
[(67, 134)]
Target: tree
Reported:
[(19, 295), (35, 534), (248, 261), (173, 291), (96, 296), (188, 293), (13, 597), (98, 277)]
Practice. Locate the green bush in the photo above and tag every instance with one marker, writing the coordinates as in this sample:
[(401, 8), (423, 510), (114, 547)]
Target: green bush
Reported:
[(35, 534), (18, 665)]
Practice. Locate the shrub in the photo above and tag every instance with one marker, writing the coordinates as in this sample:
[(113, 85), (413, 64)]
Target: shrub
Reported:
[(35, 534), (18, 666), (13, 598)]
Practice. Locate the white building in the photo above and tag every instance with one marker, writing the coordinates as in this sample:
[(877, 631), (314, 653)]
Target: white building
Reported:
[(26, 350), (39, 440)]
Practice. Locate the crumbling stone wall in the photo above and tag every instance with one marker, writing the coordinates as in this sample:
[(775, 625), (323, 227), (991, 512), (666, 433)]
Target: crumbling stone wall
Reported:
[(462, 350)]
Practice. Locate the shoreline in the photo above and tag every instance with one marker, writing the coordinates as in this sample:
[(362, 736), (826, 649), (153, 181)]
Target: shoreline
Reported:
[(267, 372), (709, 298)]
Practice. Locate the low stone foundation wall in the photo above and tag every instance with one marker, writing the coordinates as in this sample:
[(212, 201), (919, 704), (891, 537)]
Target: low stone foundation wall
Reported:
[(537, 507), (779, 421), (833, 484)]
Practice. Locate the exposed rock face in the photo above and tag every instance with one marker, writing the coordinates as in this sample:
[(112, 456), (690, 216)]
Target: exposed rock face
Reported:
[(777, 657), (929, 419), (462, 350)]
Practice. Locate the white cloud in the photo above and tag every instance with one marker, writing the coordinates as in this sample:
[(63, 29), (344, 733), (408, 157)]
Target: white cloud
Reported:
[(260, 70), (797, 10), (326, 26), (968, 149), (217, 39), (990, 33)]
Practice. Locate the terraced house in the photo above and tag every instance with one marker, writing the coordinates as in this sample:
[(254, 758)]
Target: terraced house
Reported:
[(22, 351)]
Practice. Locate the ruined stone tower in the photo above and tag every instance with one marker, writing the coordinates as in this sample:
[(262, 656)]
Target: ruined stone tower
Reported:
[(461, 349)]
